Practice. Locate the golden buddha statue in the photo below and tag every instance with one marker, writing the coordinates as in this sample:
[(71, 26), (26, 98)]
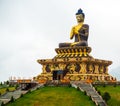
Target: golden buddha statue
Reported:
[(79, 31)]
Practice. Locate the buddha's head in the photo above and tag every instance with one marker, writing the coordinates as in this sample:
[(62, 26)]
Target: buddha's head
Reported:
[(80, 16)]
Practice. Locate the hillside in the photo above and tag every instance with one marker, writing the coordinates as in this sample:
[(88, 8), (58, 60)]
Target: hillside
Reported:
[(54, 96)]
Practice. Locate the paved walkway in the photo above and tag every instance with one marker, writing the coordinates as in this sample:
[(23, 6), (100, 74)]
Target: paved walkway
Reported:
[(7, 96), (16, 94), (90, 91)]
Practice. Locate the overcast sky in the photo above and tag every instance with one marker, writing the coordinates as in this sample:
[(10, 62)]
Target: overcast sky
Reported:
[(32, 29)]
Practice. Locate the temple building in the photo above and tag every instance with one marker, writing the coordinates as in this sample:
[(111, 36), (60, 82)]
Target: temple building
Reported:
[(73, 61)]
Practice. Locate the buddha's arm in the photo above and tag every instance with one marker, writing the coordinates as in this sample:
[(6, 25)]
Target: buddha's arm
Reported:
[(84, 31), (72, 33)]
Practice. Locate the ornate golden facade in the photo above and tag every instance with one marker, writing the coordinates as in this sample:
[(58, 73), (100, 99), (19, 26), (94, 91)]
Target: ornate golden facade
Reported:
[(75, 63)]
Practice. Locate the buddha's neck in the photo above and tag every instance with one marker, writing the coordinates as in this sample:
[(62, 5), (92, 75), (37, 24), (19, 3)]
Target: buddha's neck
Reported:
[(80, 23)]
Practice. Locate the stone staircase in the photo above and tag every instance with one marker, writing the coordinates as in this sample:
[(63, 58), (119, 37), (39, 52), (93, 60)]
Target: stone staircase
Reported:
[(5, 98), (90, 91)]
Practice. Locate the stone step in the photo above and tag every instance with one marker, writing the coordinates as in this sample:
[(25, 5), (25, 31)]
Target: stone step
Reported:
[(92, 92), (97, 98), (89, 89), (5, 100), (101, 104), (86, 87)]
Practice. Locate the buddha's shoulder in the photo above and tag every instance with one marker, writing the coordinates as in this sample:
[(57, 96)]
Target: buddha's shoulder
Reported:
[(85, 26), (76, 26)]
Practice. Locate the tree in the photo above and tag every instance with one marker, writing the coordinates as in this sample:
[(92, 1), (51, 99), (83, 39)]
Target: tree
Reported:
[(16, 86), (106, 96), (1, 83), (7, 82)]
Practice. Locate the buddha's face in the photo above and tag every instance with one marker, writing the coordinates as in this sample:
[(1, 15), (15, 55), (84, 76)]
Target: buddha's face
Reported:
[(79, 18)]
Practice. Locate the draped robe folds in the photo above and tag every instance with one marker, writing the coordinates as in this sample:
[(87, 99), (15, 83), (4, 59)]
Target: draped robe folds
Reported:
[(80, 32)]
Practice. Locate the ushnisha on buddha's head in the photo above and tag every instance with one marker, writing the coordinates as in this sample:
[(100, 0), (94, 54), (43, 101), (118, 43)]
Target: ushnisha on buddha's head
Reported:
[(80, 16)]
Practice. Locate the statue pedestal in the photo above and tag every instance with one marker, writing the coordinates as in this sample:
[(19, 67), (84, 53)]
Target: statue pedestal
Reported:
[(74, 64)]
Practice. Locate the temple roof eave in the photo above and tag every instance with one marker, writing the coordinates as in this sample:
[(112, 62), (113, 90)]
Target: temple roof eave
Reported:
[(63, 60)]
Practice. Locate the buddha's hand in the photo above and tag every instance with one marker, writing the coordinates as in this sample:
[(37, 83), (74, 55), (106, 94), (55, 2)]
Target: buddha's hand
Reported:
[(74, 43)]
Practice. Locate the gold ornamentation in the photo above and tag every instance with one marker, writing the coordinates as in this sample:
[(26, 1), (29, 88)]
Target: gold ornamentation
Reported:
[(83, 68), (90, 68), (96, 69), (101, 69), (75, 30)]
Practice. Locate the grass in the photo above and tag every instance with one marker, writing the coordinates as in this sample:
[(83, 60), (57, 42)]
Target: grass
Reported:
[(3, 90), (114, 93), (54, 96)]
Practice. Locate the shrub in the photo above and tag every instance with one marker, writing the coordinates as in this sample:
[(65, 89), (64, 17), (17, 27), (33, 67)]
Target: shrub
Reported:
[(114, 85), (78, 89), (106, 96), (69, 85), (16, 86), (38, 88), (12, 99), (90, 98), (104, 85), (85, 93), (2, 104), (29, 91), (7, 90), (21, 95), (95, 88), (45, 84), (99, 92)]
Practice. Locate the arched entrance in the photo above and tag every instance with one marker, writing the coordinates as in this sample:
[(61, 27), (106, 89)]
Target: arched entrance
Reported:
[(57, 74)]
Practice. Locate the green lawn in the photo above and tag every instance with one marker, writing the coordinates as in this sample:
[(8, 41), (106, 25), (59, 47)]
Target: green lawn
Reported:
[(3, 90), (114, 93), (54, 96)]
